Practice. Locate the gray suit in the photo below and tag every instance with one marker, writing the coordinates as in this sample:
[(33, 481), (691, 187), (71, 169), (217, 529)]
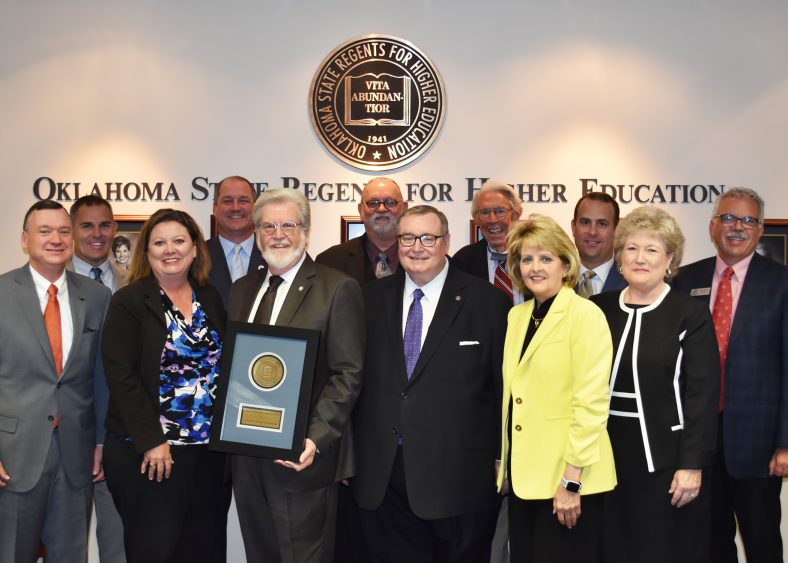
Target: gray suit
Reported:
[(31, 395)]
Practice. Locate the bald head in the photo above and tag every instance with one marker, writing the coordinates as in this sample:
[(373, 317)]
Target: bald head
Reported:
[(380, 207)]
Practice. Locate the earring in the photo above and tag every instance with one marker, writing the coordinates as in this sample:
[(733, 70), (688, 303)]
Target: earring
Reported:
[(564, 276), (620, 269), (668, 272)]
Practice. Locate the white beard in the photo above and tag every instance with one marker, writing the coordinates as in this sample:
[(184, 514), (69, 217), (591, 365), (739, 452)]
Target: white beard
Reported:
[(280, 260)]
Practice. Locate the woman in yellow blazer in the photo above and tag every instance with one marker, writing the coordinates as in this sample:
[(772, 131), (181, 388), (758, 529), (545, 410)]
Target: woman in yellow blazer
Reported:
[(556, 367)]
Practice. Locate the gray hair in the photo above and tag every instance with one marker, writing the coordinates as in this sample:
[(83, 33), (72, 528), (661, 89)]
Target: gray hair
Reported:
[(505, 190), (741, 193), (282, 195)]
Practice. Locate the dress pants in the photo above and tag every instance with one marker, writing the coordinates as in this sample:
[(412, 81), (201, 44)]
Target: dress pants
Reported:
[(280, 526), (536, 535), (109, 526), (54, 513), (756, 506), (394, 534), (177, 520)]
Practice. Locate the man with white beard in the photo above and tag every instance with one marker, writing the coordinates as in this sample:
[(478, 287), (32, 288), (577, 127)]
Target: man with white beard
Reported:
[(275, 498)]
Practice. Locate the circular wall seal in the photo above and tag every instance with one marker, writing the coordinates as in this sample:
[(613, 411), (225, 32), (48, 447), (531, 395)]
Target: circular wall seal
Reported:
[(267, 371), (377, 102)]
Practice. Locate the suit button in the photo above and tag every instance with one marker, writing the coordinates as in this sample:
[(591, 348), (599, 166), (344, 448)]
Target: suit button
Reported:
[(518, 427), (50, 418), (59, 385), (519, 401), (404, 395), (395, 430)]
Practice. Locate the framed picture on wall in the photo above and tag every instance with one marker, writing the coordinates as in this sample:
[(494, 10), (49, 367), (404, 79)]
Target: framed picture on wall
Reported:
[(125, 240), (351, 227), (774, 241), (476, 232)]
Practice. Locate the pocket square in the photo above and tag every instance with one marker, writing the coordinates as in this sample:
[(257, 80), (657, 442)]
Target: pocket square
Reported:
[(469, 342)]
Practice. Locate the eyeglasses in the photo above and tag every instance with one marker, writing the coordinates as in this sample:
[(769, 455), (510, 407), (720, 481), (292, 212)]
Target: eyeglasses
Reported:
[(426, 240), (287, 228), (729, 220), (390, 204), (499, 212)]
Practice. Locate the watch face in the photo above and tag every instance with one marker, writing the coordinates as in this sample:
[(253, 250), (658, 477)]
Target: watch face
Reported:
[(572, 487)]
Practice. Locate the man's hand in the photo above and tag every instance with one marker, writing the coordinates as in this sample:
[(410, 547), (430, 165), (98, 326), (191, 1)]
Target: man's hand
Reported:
[(778, 466), (306, 459), (98, 469), (4, 477)]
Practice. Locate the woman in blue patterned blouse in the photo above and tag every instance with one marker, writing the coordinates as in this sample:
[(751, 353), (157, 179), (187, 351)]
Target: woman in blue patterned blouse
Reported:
[(161, 346)]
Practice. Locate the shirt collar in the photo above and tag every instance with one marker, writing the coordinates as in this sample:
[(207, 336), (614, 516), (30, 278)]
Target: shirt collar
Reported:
[(602, 270), (739, 268), (290, 274), (228, 245), (42, 284), (432, 289), (83, 268)]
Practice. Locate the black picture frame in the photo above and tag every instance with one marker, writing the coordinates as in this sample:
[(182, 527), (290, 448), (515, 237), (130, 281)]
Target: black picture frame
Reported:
[(774, 240), (476, 232), (258, 415)]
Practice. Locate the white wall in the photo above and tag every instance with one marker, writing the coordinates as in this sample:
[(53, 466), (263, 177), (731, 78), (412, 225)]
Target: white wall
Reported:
[(684, 92)]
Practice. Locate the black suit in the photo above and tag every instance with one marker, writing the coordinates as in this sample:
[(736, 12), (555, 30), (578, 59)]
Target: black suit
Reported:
[(219, 276), (272, 499), (472, 259), (446, 414), (754, 421), (351, 258)]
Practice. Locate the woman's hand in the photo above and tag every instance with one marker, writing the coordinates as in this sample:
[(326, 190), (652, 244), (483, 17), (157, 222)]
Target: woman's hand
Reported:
[(566, 506), (157, 462), (685, 486)]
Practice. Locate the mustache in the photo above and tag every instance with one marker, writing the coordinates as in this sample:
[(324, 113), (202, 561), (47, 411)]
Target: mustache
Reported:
[(736, 235)]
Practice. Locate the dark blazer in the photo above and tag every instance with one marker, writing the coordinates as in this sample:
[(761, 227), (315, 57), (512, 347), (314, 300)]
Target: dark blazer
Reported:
[(320, 298), (615, 281), (31, 394), (448, 413), (472, 259), (680, 414), (351, 258), (134, 337), (219, 276), (755, 418)]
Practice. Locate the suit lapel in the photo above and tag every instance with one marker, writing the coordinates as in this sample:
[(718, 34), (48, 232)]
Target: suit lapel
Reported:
[(78, 302), (30, 305), (450, 304), (752, 288), (297, 292), (392, 307)]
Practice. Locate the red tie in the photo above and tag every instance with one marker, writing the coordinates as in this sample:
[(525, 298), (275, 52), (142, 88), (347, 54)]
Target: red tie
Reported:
[(502, 281), (52, 323), (722, 314)]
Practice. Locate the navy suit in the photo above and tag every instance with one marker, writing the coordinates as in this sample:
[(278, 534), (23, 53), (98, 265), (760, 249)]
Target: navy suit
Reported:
[(754, 421), (219, 276)]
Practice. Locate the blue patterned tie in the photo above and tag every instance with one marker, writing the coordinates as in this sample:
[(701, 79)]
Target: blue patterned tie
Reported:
[(95, 273), (413, 332)]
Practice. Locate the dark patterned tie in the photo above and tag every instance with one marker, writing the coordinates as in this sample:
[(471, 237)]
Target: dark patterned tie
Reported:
[(266, 307), (502, 281), (95, 273), (412, 336), (382, 266)]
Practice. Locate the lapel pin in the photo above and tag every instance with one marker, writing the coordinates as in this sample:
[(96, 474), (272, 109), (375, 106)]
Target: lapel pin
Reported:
[(457, 298), (300, 288)]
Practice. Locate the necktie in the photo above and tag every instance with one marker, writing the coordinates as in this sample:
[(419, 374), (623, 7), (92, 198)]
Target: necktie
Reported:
[(236, 264), (502, 281), (382, 266), (586, 288), (721, 315), (95, 273), (266, 307), (52, 324), (413, 332)]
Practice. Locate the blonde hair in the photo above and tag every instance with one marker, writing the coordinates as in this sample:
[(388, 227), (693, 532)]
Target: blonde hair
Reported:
[(544, 233), (657, 222)]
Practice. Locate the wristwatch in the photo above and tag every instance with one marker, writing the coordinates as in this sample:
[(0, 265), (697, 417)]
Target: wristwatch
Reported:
[(571, 486)]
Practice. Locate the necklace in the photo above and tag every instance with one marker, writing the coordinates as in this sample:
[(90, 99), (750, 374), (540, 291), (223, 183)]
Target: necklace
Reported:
[(537, 321)]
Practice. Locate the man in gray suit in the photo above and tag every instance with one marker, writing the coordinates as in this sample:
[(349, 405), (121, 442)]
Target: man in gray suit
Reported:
[(52, 395), (287, 510)]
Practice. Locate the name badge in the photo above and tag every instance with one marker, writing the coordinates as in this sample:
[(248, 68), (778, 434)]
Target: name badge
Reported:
[(700, 291)]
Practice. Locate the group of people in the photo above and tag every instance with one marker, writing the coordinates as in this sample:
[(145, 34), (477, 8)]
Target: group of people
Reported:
[(532, 398)]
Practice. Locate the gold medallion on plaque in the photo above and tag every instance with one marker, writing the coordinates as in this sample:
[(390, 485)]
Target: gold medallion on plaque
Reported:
[(267, 371), (377, 102)]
